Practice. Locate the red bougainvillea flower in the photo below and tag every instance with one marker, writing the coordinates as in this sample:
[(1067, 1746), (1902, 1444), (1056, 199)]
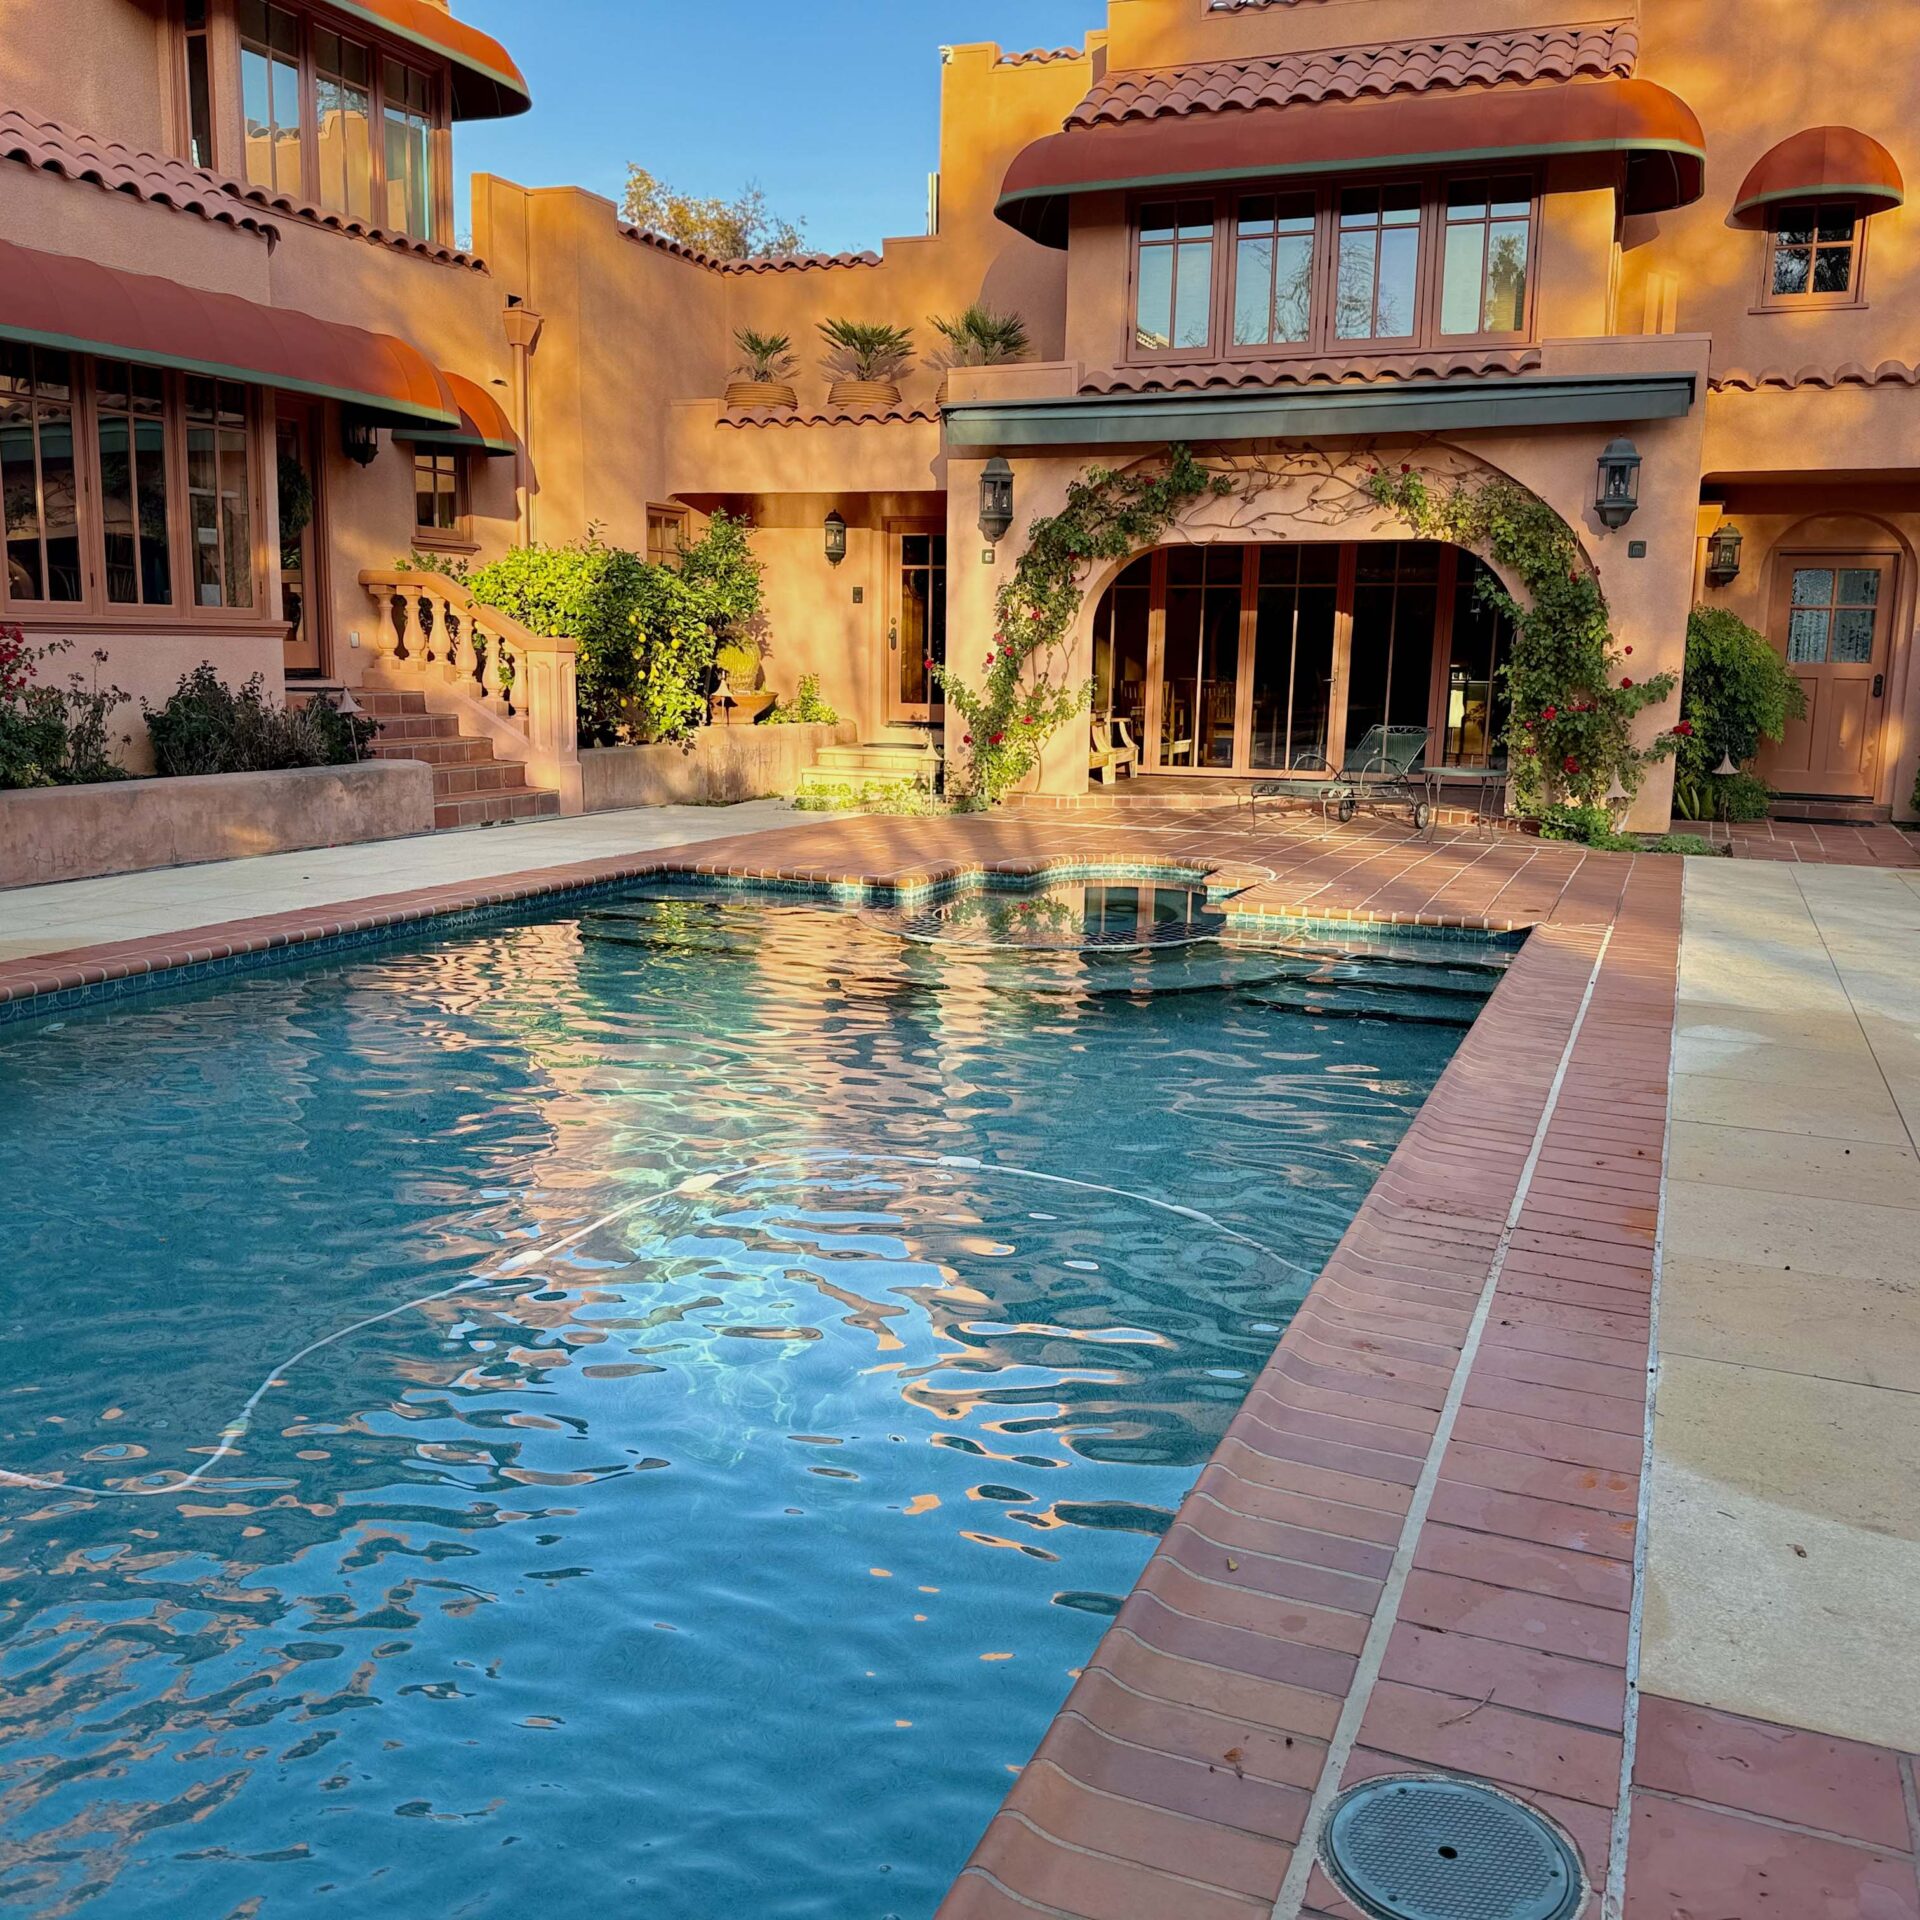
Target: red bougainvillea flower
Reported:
[(1685, 729), (1549, 713), (966, 739), (1405, 468), (1626, 680), (1629, 649), (997, 738), (1571, 764)]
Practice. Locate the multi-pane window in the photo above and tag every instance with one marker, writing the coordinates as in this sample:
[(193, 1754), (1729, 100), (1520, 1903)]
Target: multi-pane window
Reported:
[(1833, 615), (130, 414), (666, 533), (329, 118), (1815, 252), (343, 116), (1317, 269), (1273, 268), (1484, 272), (39, 477), (270, 95), (409, 122), (198, 86), (1378, 273), (219, 493), (127, 489), (439, 487), (1173, 297)]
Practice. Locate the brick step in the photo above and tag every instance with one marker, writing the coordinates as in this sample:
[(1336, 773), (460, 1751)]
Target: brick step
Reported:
[(418, 726), (462, 750), (382, 701), (495, 809), (482, 776)]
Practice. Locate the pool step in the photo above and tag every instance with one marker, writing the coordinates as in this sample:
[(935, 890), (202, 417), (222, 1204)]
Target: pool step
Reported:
[(1392, 976), (1355, 1003), (1457, 956)]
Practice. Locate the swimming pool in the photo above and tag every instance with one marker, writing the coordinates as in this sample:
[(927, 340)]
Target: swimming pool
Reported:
[(744, 1356)]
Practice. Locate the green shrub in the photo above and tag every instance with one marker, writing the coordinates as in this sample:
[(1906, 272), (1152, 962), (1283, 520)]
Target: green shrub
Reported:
[(586, 591), (51, 735), (807, 709), (205, 726), (1566, 821), (871, 796), (1736, 692)]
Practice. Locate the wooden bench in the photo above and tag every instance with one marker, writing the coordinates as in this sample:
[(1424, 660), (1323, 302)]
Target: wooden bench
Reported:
[(1108, 759)]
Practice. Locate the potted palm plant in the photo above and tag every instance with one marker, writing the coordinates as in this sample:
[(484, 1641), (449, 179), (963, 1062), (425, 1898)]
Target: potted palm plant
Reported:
[(863, 356), (763, 377), (979, 337)]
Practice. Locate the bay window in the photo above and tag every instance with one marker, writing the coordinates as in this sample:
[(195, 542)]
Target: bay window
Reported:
[(1300, 270), (128, 490), (333, 120)]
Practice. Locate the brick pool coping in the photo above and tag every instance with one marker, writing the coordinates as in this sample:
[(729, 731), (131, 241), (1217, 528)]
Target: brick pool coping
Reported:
[(1415, 1547)]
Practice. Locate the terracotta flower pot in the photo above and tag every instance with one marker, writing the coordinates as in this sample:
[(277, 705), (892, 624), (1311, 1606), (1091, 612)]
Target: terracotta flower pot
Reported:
[(877, 395), (760, 393)]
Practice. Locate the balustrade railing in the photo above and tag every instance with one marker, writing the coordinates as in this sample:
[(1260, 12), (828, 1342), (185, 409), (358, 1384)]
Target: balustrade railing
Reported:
[(430, 632)]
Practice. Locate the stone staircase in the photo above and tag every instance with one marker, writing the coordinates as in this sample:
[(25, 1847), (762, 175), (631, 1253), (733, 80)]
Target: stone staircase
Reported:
[(470, 787), (906, 757)]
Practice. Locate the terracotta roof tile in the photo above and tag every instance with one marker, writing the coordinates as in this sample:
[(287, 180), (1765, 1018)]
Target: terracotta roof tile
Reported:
[(1188, 377), (1357, 73), (824, 417), (163, 181), (1040, 56), (755, 263), (1850, 373), (122, 169)]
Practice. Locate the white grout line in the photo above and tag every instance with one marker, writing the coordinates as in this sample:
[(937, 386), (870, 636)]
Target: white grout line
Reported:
[(1293, 1889), (1614, 1900)]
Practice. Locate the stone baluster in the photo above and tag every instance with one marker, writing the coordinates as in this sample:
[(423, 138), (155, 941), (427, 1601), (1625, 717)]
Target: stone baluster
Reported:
[(397, 606)]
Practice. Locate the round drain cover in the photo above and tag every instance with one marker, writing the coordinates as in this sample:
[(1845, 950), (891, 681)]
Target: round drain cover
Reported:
[(1421, 1847)]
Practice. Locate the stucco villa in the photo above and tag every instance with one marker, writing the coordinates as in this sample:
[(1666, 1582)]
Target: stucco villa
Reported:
[(1606, 252)]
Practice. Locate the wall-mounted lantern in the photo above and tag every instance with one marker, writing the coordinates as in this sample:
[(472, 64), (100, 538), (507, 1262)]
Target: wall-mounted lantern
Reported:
[(1723, 553), (836, 539), (996, 500), (359, 439), (1619, 494)]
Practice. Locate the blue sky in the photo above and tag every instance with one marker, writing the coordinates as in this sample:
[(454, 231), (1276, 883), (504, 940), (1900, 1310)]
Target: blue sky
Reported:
[(832, 106)]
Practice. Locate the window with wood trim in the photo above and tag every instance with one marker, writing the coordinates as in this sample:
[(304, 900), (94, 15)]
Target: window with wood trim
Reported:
[(441, 514), (666, 534), (128, 490), (337, 121), (196, 82), (1813, 255), (1341, 267)]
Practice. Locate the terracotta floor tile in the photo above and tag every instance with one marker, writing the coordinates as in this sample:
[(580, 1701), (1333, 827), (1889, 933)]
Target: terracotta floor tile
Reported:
[(1469, 1735), (1524, 1565)]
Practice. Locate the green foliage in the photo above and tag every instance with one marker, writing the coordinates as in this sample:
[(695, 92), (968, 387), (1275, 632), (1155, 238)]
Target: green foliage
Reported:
[(1561, 821), (764, 356), (1023, 700), (871, 796), (735, 229), (808, 709), (741, 664), (866, 349), (52, 735), (1693, 843), (296, 499), (979, 337), (205, 726), (1736, 693), (1571, 707), (590, 592)]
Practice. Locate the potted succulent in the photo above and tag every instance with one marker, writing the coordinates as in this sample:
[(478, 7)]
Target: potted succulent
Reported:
[(979, 337), (736, 692), (863, 357), (762, 379)]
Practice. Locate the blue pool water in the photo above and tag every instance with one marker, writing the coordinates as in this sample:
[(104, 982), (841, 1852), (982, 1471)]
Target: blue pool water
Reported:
[(812, 1372)]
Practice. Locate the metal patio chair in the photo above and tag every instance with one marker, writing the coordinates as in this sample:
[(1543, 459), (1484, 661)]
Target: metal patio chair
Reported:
[(1385, 769)]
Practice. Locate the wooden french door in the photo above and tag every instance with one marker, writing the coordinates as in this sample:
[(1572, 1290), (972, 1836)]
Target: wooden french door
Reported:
[(916, 617), (297, 471), (1832, 619)]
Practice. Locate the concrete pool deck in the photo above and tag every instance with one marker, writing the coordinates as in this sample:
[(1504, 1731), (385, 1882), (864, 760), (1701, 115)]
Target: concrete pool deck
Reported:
[(1425, 1541)]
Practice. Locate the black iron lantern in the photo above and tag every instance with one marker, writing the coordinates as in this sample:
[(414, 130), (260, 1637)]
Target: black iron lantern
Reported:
[(996, 500), (836, 539), (359, 439), (1723, 553), (1619, 494)]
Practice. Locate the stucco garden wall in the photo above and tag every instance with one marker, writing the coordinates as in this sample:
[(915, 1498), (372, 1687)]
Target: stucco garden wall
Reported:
[(723, 764), (76, 833)]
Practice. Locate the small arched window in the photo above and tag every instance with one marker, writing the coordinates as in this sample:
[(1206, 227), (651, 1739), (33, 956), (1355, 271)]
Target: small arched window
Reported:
[(1812, 196)]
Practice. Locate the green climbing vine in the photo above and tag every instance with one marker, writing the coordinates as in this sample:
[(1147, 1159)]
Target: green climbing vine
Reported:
[(1572, 696), (1024, 696)]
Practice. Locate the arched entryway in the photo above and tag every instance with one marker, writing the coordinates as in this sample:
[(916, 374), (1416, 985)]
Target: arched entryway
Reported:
[(1225, 658)]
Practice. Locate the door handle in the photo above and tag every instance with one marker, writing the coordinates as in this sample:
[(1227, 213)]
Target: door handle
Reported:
[(893, 638), (1879, 685)]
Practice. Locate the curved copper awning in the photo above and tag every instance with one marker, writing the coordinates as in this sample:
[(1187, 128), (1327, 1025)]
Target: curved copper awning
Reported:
[(1821, 163), (484, 426), (55, 300), (1653, 129), (486, 83)]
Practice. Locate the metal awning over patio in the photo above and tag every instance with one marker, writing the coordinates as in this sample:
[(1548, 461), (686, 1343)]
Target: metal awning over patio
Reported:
[(56, 300)]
